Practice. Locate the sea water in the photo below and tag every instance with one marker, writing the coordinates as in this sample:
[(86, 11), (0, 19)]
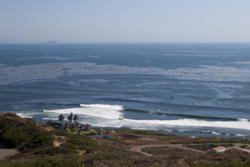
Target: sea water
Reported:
[(189, 89)]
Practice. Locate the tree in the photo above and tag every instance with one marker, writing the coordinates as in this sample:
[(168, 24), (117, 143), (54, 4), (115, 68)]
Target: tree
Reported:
[(70, 117), (75, 119), (61, 118)]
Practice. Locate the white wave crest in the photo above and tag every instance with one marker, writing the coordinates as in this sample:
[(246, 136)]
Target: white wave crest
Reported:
[(25, 115), (103, 115), (162, 124), (242, 119), (215, 133), (240, 135), (96, 110)]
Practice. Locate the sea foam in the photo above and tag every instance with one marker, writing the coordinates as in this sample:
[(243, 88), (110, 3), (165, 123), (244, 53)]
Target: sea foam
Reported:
[(162, 124), (112, 116), (95, 110), (23, 115)]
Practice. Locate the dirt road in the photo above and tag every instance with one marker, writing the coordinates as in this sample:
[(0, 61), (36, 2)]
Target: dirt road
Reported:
[(139, 148), (178, 146)]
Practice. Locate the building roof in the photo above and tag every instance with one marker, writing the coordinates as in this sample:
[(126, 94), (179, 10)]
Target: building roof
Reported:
[(220, 148)]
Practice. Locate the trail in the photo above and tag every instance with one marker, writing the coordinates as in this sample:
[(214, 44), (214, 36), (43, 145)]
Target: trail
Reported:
[(139, 148)]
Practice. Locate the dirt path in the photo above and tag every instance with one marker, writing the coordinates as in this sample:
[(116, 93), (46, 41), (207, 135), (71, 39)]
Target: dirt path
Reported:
[(237, 147), (59, 140), (7, 152), (139, 148), (177, 146)]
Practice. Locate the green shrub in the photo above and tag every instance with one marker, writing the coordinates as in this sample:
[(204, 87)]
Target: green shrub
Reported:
[(225, 164), (110, 154), (41, 139), (63, 149), (72, 145), (14, 136), (247, 164), (2, 125), (82, 143), (244, 146), (93, 133), (10, 114), (46, 163)]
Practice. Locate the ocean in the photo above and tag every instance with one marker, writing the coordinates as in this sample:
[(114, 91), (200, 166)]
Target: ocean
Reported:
[(188, 89)]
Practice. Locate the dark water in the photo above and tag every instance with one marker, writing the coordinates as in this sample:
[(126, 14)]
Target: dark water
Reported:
[(192, 89)]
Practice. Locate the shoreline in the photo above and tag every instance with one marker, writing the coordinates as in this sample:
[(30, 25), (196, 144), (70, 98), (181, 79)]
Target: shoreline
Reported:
[(37, 143), (189, 131)]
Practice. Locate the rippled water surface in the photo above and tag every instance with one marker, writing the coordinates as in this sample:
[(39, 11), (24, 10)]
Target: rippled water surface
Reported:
[(192, 89)]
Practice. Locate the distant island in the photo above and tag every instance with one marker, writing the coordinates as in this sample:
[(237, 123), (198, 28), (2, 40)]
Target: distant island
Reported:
[(26, 143)]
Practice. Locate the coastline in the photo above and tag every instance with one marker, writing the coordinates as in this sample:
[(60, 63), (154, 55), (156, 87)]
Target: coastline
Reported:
[(96, 145)]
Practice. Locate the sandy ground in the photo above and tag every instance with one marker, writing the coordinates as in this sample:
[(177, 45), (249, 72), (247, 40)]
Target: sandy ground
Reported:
[(7, 152), (59, 140)]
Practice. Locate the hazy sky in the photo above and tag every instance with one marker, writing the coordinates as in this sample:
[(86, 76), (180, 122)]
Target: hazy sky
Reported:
[(87, 21)]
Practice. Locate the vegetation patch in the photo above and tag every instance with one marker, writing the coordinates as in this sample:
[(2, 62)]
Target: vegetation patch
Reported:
[(225, 164), (83, 143), (64, 149), (14, 136), (41, 139), (44, 163), (87, 132), (111, 154), (244, 146), (14, 130), (72, 146), (10, 114)]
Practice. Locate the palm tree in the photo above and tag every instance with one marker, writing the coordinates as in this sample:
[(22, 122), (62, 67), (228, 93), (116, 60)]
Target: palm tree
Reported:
[(61, 118), (70, 117), (75, 119)]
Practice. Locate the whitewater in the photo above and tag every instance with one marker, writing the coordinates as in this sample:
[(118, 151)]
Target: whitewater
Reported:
[(112, 116)]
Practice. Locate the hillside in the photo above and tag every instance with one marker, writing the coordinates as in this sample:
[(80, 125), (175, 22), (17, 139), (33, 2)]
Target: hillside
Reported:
[(33, 144)]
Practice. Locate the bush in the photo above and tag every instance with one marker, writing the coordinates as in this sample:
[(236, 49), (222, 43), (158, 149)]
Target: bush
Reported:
[(10, 114), (111, 154), (46, 163), (14, 136), (2, 125), (72, 145), (63, 149), (41, 139), (244, 146), (225, 164), (82, 143), (60, 133)]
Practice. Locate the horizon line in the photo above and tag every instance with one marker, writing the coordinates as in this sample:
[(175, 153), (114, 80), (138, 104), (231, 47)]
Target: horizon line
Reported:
[(58, 43)]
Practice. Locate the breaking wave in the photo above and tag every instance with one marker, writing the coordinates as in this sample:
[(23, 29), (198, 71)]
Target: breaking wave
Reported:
[(112, 116), (23, 115), (162, 124), (96, 110)]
